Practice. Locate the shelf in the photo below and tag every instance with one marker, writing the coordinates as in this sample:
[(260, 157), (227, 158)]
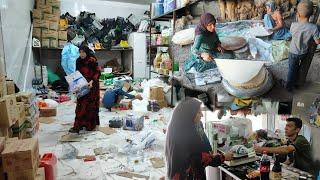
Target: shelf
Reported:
[(153, 46), (169, 15)]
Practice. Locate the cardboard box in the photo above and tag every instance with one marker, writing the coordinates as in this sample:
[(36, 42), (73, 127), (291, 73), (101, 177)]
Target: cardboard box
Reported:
[(37, 14), (3, 86), (36, 23), (45, 43), (63, 35), (56, 10), (43, 24), (24, 97), (21, 155), (40, 3), (8, 113), (54, 26), (2, 143), (29, 174), (36, 32), (48, 112), (162, 103), (10, 140), (6, 132), (46, 9), (10, 87), (156, 93), (49, 34), (51, 17), (54, 43), (22, 113), (40, 174), (62, 43), (55, 4)]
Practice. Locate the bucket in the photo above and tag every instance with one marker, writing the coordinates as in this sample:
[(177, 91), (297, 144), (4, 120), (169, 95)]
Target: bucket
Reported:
[(49, 162)]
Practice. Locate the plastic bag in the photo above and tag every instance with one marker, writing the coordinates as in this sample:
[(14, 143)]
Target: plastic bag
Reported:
[(69, 56), (184, 37), (78, 84)]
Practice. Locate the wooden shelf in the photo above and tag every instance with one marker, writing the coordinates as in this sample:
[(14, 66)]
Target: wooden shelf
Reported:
[(169, 15)]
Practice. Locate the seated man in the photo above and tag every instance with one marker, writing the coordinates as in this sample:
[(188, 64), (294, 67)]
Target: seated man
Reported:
[(114, 96), (273, 21), (298, 148)]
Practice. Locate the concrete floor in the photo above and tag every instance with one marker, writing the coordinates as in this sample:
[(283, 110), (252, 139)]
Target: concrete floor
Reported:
[(116, 160)]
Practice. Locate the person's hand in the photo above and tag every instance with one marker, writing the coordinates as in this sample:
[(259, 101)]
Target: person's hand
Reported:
[(90, 84), (228, 156), (138, 96), (258, 149), (206, 57), (220, 49)]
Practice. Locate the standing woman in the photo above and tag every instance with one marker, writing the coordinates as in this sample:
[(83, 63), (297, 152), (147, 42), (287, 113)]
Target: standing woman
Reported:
[(188, 150), (87, 110), (206, 43)]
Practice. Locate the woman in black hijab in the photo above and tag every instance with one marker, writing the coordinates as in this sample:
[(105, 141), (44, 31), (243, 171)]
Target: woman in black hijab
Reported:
[(187, 151)]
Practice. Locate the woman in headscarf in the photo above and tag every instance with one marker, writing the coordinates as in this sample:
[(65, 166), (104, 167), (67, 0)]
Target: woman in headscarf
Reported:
[(188, 150), (273, 21), (205, 43), (87, 109)]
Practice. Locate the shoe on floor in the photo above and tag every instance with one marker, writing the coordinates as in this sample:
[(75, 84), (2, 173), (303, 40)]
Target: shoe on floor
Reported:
[(74, 130)]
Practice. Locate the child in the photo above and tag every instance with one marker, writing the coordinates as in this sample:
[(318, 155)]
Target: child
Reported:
[(113, 97), (302, 47)]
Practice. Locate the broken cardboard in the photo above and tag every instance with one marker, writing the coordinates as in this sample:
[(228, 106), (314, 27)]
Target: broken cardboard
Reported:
[(46, 120), (107, 130), (156, 93), (157, 162), (131, 175), (21, 155), (22, 113), (70, 138)]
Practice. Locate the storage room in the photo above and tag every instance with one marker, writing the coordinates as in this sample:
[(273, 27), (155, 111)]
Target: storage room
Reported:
[(101, 89)]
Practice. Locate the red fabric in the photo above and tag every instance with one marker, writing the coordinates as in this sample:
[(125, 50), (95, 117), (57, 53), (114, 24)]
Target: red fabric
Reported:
[(206, 158), (87, 110)]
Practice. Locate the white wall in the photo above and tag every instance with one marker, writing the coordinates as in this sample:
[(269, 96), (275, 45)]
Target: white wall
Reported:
[(16, 24), (103, 9)]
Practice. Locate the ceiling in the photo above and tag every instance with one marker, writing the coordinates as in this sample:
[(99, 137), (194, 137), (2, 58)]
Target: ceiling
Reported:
[(146, 2)]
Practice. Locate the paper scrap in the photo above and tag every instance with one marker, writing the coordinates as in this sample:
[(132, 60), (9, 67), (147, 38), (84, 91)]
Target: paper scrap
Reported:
[(157, 162), (70, 138), (131, 175), (46, 120)]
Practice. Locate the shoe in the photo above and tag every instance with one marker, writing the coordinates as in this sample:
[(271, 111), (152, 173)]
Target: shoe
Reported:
[(74, 130)]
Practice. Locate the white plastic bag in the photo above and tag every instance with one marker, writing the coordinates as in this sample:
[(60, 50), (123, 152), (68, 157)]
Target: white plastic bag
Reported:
[(78, 84), (184, 37)]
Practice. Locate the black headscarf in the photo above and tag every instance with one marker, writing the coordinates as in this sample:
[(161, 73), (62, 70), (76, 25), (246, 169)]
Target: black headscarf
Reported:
[(90, 60), (182, 139), (205, 19)]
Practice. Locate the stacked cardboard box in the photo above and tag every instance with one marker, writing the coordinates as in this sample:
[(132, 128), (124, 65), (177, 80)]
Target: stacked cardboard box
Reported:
[(8, 111), (10, 87), (3, 86), (2, 145), (46, 18), (20, 159), (157, 94)]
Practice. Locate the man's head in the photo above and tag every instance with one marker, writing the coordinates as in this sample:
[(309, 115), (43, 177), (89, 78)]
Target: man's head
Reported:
[(305, 9), (271, 6), (293, 127)]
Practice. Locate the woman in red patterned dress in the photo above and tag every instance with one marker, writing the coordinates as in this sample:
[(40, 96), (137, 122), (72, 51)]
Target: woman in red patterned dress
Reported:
[(87, 110), (188, 151)]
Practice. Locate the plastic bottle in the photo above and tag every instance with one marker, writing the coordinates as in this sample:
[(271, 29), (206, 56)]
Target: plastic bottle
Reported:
[(264, 166), (276, 170)]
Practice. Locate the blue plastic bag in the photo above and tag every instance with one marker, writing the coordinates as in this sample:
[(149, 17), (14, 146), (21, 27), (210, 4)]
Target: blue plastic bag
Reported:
[(69, 56)]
